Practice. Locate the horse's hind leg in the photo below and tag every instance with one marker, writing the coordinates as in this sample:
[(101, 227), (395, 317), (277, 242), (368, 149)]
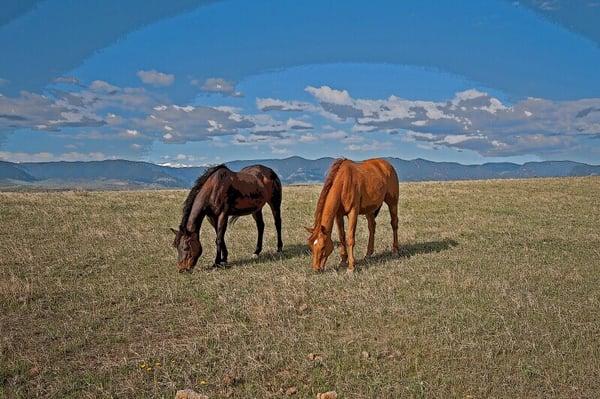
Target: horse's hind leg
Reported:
[(372, 224), (392, 203), (276, 210), (260, 227)]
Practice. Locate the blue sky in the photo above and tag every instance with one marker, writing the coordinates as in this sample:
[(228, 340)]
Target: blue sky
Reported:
[(192, 82)]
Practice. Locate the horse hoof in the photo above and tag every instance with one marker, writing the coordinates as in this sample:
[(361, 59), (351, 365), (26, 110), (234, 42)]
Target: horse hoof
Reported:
[(254, 256), (350, 272)]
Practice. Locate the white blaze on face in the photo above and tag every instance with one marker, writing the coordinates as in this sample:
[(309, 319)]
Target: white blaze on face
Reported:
[(315, 243)]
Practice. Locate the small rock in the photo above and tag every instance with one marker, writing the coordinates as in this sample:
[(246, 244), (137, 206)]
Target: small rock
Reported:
[(314, 357), (303, 308), (366, 354), (327, 395), (230, 379), (189, 394), (291, 391)]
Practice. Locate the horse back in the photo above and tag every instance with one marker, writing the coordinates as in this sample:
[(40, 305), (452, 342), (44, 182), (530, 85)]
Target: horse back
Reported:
[(252, 187), (374, 180)]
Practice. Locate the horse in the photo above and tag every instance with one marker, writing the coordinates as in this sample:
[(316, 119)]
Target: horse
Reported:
[(351, 189), (220, 194)]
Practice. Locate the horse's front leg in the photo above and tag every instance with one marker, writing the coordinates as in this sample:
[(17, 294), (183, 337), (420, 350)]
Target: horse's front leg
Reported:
[(339, 221), (352, 220), (221, 257)]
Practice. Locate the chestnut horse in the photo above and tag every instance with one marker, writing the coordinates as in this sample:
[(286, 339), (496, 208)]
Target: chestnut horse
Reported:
[(218, 194), (352, 189)]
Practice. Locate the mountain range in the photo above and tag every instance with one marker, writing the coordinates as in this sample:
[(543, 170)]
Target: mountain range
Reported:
[(123, 174)]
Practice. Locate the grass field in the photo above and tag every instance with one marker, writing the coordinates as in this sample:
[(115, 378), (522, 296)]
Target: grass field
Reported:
[(497, 294)]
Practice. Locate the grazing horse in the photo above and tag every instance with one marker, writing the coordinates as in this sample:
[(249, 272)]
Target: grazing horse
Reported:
[(219, 194), (352, 189)]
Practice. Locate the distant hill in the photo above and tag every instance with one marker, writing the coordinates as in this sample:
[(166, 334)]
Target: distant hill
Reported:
[(13, 172), (133, 174)]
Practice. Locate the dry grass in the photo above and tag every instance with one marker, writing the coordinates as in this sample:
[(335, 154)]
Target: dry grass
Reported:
[(497, 295)]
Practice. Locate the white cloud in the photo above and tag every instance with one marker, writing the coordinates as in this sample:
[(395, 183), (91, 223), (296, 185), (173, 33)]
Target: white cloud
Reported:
[(280, 151), (102, 86), (218, 85), (156, 78), (70, 80), (307, 138), (179, 124), (371, 146), (296, 124), (328, 95), (472, 119), (272, 104), (335, 135), (48, 156), (132, 132)]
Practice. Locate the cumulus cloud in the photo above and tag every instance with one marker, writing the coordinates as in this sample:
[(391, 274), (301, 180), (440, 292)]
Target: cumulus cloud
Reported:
[(139, 116), (48, 156), (266, 125), (86, 107), (218, 85), (178, 124), (38, 112), (370, 146), (70, 80), (156, 78), (334, 135), (273, 104), (471, 120)]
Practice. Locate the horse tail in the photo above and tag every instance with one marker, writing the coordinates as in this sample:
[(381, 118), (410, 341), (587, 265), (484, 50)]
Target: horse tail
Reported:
[(277, 191)]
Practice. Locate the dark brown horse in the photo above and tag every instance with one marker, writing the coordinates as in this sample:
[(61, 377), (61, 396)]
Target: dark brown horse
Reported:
[(218, 195)]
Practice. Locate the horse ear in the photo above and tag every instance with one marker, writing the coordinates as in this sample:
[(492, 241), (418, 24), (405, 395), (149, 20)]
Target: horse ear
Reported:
[(174, 231)]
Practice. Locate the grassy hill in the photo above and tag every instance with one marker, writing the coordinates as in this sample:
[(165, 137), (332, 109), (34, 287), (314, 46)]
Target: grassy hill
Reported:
[(496, 295)]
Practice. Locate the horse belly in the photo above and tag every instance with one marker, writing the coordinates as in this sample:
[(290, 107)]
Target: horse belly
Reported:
[(370, 207), (247, 205)]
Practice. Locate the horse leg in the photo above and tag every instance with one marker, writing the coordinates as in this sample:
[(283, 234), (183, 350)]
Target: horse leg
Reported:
[(392, 204), (221, 257), (213, 222), (260, 227), (352, 220), (276, 210), (339, 221), (372, 224)]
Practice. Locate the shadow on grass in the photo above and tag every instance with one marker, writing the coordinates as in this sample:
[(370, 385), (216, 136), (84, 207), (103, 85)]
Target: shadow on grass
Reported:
[(289, 252), (408, 250)]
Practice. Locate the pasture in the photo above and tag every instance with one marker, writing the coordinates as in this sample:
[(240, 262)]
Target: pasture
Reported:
[(496, 294)]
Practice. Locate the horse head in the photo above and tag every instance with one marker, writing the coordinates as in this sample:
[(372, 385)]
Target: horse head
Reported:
[(321, 246), (189, 249)]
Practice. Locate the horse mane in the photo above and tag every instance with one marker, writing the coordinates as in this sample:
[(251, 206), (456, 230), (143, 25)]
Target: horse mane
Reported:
[(189, 201), (333, 169)]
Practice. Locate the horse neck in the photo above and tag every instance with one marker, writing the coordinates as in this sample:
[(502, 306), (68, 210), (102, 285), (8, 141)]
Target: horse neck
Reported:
[(194, 221), (330, 209)]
